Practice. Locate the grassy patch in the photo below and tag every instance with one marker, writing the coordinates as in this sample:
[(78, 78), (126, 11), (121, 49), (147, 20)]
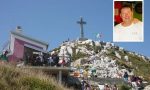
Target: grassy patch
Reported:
[(12, 78), (124, 87)]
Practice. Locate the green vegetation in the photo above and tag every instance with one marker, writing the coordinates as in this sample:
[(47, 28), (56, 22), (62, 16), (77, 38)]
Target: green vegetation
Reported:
[(96, 48), (124, 65), (124, 87), (89, 47), (73, 53), (111, 53), (141, 67), (121, 62), (13, 78), (78, 55)]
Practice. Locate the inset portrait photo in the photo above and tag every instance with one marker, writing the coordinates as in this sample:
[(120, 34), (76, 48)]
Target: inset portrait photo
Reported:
[(128, 21)]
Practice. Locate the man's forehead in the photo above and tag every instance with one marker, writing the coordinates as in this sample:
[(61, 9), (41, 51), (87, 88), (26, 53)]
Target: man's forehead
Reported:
[(126, 9)]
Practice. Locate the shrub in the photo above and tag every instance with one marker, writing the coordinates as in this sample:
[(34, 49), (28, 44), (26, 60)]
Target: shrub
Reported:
[(124, 87)]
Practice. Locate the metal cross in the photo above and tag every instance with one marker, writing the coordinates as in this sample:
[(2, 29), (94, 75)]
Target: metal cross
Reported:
[(81, 22)]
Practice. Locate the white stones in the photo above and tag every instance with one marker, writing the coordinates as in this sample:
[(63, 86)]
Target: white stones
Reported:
[(147, 87), (117, 55), (64, 53), (89, 41), (97, 43), (53, 52), (104, 51), (108, 44), (131, 53), (126, 58), (77, 50), (112, 44), (69, 49), (76, 63), (105, 66), (85, 51), (121, 49), (101, 87)]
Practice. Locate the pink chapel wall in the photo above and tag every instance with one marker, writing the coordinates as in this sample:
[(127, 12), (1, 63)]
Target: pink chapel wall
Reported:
[(19, 50)]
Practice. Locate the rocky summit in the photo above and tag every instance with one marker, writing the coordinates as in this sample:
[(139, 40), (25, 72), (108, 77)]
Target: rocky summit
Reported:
[(103, 59)]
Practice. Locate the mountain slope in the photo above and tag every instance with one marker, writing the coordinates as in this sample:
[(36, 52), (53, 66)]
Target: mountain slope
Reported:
[(108, 59)]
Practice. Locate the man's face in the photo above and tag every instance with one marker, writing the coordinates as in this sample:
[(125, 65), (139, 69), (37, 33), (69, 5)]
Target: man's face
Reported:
[(126, 15)]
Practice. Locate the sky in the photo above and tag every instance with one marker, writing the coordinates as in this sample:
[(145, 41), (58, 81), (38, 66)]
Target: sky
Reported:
[(54, 21)]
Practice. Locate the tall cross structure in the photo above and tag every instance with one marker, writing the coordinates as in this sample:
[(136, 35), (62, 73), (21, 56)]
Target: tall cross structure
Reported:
[(81, 22)]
